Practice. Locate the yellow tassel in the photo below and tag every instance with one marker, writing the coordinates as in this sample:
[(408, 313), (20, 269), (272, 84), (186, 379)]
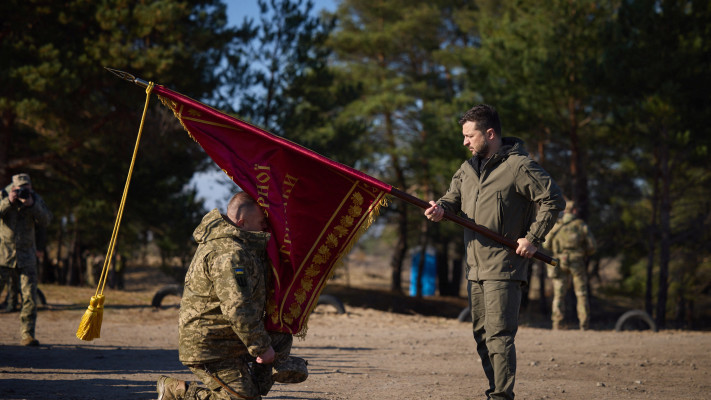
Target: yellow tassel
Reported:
[(90, 325)]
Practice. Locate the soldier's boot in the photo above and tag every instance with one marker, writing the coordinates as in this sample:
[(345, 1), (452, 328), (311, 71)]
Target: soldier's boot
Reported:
[(291, 370), (171, 388), (262, 377), (29, 341)]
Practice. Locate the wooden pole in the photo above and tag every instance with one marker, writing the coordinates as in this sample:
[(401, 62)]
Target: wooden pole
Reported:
[(471, 225)]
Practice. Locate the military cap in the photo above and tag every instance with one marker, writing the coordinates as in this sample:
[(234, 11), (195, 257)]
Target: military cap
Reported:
[(20, 179)]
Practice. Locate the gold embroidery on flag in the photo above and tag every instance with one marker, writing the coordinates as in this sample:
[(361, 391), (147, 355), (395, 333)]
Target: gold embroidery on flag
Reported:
[(312, 270), (341, 231), (353, 220), (300, 295), (347, 221), (307, 284), (332, 241)]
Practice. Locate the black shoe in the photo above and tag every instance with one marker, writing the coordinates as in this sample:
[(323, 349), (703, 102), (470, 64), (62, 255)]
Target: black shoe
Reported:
[(30, 341)]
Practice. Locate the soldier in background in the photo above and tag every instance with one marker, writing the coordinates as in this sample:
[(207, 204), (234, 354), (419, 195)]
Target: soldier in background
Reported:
[(571, 242), (21, 211), (222, 337)]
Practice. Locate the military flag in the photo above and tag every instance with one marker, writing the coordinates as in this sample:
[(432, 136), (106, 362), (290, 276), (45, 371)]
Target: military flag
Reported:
[(317, 208)]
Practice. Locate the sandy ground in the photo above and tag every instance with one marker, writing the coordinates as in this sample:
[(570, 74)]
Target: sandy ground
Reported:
[(364, 354)]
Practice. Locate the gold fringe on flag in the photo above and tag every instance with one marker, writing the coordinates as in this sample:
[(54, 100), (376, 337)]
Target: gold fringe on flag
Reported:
[(90, 324)]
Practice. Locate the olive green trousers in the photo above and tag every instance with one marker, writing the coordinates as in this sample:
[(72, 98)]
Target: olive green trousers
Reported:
[(494, 307), (28, 288)]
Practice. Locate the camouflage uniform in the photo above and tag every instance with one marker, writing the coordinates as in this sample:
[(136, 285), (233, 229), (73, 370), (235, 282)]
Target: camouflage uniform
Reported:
[(18, 250), (221, 326), (571, 242)]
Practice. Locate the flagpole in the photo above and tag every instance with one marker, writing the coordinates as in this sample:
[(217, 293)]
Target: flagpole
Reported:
[(471, 225), (126, 76)]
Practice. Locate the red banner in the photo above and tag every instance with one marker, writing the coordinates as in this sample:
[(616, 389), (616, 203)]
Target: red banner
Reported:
[(317, 208)]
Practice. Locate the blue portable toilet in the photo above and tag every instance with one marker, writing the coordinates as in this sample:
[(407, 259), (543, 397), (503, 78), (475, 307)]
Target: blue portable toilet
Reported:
[(429, 273)]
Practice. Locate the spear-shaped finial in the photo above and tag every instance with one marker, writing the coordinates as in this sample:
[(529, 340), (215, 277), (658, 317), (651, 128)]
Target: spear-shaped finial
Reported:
[(128, 77)]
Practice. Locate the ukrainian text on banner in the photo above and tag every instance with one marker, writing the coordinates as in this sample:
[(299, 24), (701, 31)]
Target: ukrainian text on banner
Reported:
[(317, 208)]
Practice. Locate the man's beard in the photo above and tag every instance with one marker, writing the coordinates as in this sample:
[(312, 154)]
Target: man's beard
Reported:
[(483, 151)]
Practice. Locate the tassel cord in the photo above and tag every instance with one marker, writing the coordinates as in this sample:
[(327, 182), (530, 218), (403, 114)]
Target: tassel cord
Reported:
[(119, 215), (90, 324)]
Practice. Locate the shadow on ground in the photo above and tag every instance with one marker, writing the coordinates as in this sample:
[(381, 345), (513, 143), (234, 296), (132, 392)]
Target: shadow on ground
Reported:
[(123, 372)]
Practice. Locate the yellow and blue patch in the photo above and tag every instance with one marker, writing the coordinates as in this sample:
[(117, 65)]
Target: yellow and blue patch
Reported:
[(240, 276)]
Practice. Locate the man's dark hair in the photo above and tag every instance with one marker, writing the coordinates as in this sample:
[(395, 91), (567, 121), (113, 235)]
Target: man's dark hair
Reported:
[(239, 203), (485, 117)]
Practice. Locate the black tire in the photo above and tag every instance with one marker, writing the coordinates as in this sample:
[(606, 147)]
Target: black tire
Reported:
[(637, 320), (168, 290), (41, 298), (465, 315), (333, 301)]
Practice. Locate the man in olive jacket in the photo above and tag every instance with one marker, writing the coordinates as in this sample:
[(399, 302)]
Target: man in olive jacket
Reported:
[(504, 190), (21, 212), (222, 337)]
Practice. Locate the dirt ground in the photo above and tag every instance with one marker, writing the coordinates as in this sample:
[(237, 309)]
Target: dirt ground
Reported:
[(385, 347)]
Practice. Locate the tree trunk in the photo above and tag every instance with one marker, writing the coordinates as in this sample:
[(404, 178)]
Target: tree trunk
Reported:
[(665, 232), (421, 263), (74, 259), (652, 242), (400, 250), (60, 265), (5, 140), (445, 284), (577, 171), (401, 246)]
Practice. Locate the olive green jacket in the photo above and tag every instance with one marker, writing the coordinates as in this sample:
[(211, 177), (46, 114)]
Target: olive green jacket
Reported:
[(224, 300), (17, 230), (504, 199)]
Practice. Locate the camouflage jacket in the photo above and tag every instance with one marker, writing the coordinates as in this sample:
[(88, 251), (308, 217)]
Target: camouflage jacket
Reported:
[(571, 235), (223, 305), (512, 196), (17, 230)]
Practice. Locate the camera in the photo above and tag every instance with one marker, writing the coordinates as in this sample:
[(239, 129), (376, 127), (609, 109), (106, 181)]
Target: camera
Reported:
[(24, 193)]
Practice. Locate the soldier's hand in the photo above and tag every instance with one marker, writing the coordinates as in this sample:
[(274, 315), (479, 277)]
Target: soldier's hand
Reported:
[(28, 202), (267, 357), (12, 196), (525, 248), (434, 213)]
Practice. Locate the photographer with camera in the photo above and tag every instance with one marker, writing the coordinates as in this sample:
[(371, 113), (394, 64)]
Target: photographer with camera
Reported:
[(21, 210)]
